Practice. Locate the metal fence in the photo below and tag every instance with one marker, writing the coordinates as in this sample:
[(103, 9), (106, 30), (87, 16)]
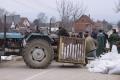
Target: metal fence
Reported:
[(71, 50)]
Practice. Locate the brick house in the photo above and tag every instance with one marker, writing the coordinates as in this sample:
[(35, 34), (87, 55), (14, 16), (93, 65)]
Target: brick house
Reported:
[(83, 24)]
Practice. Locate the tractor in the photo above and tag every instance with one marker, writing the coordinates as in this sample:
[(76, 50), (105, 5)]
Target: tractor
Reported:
[(38, 50)]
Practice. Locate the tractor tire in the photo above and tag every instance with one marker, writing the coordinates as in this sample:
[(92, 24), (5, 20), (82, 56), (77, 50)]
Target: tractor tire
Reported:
[(38, 54)]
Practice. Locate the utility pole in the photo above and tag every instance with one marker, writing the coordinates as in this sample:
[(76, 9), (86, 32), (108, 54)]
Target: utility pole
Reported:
[(4, 33), (4, 28), (73, 27), (50, 25)]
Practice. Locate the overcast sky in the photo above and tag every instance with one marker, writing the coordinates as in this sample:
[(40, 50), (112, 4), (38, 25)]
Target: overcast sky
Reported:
[(98, 9)]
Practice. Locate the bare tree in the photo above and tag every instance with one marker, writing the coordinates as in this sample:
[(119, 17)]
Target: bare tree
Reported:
[(69, 11), (117, 6), (52, 23), (78, 11), (42, 19), (53, 19), (36, 22), (3, 12)]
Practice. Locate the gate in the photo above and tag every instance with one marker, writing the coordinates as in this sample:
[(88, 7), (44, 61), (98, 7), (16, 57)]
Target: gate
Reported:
[(71, 50)]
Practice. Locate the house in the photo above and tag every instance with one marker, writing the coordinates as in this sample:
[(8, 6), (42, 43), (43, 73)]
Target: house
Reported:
[(104, 25), (56, 26), (16, 23), (53, 27), (23, 25), (84, 23), (99, 25)]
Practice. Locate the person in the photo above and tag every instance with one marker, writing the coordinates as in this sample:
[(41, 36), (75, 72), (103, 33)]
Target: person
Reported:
[(94, 34), (119, 31), (62, 32), (114, 37), (101, 43), (90, 45), (80, 34), (106, 38), (118, 46), (37, 30), (118, 42)]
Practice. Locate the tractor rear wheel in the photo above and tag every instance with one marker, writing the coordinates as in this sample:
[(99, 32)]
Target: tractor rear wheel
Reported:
[(38, 54)]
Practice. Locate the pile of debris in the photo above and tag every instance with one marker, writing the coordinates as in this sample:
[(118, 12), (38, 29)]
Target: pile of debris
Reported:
[(108, 63)]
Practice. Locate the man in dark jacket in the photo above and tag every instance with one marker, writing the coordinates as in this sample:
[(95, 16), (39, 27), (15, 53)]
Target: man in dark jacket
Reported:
[(62, 32), (94, 34)]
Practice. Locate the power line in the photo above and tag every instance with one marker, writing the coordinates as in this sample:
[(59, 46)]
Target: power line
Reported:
[(34, 5), (47, 6), (25, 5)]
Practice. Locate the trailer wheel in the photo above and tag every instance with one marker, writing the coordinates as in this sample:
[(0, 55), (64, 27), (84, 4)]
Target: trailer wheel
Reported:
[(38, 54)]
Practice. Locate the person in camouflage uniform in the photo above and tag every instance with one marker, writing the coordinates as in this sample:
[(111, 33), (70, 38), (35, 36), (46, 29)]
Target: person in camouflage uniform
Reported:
[(118, 42), (101, 43), (113, 39), (118, 46)]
